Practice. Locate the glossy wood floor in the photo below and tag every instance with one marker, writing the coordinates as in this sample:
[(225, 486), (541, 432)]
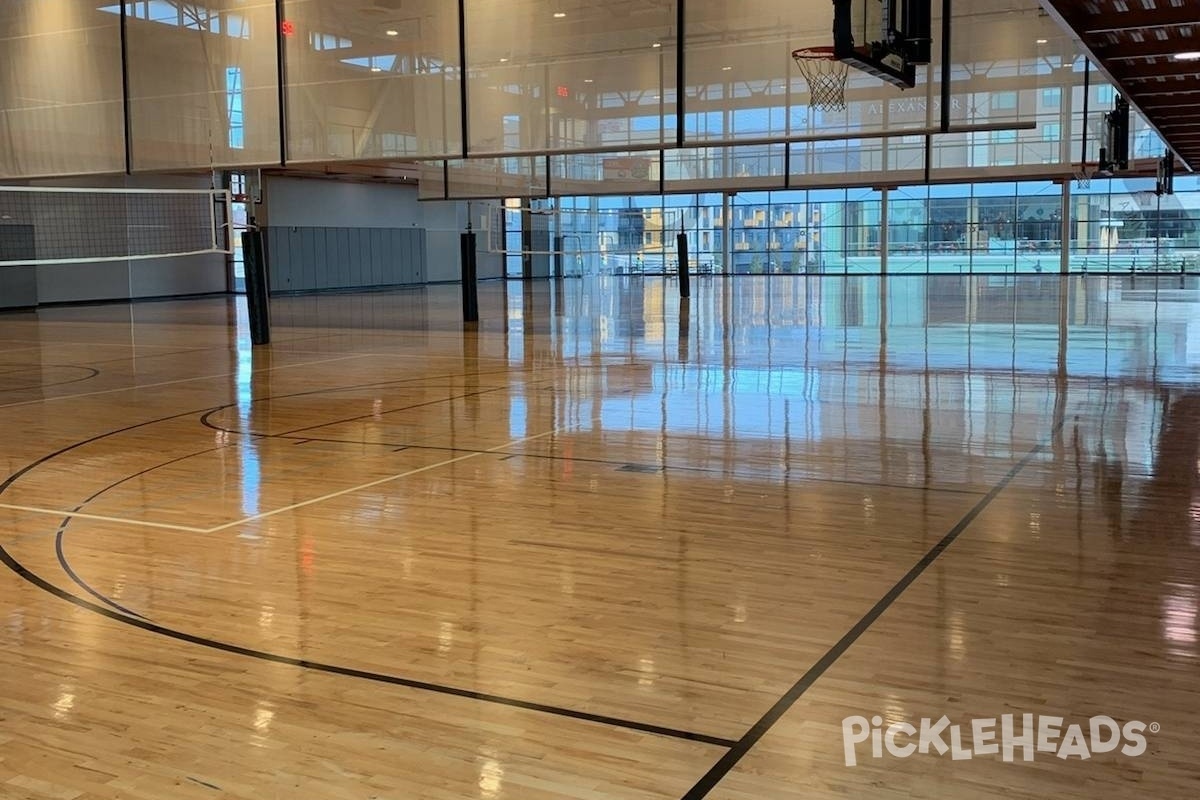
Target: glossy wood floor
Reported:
[(599, 547)]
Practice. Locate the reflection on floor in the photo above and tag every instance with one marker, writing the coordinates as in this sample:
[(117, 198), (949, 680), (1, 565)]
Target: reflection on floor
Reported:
[(604, 545)]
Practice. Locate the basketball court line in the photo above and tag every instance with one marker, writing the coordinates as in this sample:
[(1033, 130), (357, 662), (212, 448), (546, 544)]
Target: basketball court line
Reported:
[(735, 751), (379, 482), (606, 462), (143, 623), (63, 513), (744, 745), (40, 343), (499, 450), (175, 382)]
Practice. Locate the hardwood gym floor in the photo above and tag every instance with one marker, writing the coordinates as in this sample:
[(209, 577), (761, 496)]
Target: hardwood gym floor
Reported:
[(598, 549)]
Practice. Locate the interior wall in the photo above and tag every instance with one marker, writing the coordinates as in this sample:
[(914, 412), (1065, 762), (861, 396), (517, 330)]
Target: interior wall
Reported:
[(331, 234)]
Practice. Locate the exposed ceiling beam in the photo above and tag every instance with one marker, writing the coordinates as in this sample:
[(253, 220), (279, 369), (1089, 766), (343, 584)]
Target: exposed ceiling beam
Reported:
[(1136, 19), (1168, 93), (1151, 48), (1170, 69)]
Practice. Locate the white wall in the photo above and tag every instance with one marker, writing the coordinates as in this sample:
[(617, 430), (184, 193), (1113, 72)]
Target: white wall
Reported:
[(314, 203), (309, 203)]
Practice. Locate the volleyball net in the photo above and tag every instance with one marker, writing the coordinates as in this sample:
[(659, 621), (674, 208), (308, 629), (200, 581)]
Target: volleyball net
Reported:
[(53, 225)]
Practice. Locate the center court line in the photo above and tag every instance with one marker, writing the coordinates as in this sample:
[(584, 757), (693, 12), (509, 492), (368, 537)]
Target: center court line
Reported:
[(381, 481), (752, 737), (174, 382)]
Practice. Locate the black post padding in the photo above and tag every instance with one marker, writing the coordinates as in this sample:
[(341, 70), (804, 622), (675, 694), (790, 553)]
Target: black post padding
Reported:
[(470, 287), (685, 279), (947, 66), (558, 255), (258, 293), (843, 28)]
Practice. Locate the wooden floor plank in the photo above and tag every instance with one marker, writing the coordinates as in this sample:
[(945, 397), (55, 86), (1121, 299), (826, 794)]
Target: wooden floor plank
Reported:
[(591, 548)]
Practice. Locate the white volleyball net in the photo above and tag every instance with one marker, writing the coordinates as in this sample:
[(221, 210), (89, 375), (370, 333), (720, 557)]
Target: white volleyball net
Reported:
[(43, 225)]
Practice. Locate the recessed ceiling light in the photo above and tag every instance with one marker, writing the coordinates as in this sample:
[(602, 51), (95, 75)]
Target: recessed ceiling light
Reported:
[(1190, 55), (376, 69), (504, 61), (588, 80), (726, 69), (393, 33), (657, 44), (1042, 41), (559, 14)]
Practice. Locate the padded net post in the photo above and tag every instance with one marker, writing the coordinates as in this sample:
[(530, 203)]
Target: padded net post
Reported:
[(826, 77)]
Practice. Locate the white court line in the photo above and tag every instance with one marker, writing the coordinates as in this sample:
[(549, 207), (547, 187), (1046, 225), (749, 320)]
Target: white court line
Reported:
[(62, 514), (101, 518), (38, 343), (170, 383), (379, 482)]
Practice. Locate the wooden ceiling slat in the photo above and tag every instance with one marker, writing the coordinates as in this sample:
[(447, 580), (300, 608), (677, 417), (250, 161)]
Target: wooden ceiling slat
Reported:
[(1110, 21), (1134, 46)]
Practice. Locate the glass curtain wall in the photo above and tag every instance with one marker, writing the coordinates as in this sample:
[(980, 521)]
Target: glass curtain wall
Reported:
[(1003, 228), (1123, 226)]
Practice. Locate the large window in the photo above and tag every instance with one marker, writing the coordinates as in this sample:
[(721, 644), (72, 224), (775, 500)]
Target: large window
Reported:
[(991, 228), (234, 100)]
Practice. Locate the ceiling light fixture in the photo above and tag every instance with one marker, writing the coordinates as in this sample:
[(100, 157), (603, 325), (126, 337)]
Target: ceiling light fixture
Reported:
[(1190, 55), (657, 44), (392, 33), (559, 14), (504, 61), (1042, 41), (726, 69), (588, 80)]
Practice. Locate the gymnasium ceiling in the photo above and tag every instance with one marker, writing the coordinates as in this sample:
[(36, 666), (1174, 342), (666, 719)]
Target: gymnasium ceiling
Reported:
[(1136, 43)]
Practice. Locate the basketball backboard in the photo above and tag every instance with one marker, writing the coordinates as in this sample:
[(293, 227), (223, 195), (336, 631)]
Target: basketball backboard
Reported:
[(886, 38)]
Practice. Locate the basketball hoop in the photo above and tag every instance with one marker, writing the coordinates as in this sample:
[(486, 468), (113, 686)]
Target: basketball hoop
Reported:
[(1083, 175), (826, 77)]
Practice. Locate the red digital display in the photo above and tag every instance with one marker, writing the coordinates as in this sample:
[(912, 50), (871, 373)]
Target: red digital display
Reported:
[(287, 27), (564, 91)]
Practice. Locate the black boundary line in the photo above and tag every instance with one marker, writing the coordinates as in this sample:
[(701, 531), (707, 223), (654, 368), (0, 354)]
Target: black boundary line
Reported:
[(206, 421), (60, 536), (584, 460), (92, 370), (738, 748), (751, 738), (146, 625), (316, 666), (449, 399), (80, 582)]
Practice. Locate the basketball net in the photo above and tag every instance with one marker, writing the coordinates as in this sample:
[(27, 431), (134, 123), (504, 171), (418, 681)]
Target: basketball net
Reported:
[(1083, 178), (826, 77)]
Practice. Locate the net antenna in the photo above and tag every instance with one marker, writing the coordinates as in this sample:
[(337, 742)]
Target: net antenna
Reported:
[(826, 77)]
